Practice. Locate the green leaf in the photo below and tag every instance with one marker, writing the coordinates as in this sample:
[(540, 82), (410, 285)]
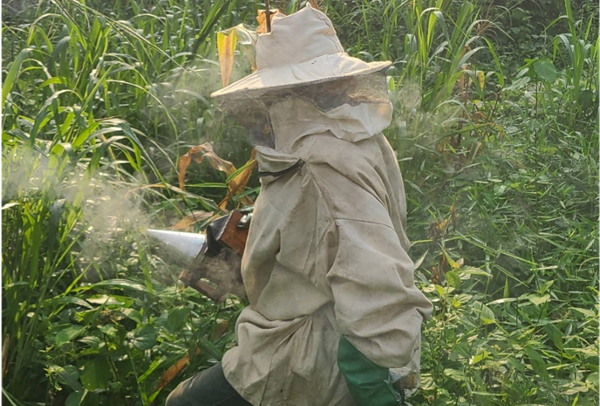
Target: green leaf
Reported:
[(9, 205), (105, 300), (11, 77), (537, 300), (586, 99), (177, 318), (96, 374), (470, 270), (537, 362), (92, 341), (479, 357), (585, 312), (109, 330), (133, 315), (75, 398), (69, 375), (453, 279), (145, 338), (455, 375), (499, 190), (440, 290), (66, 300), (122, 284), (555, 335), (545, 286), (210, 348), (588, 351), (504, 300), (546, 71), (594, 379), (419, 261), (518, 84), (487, 316), (67, 334), (575, 389)]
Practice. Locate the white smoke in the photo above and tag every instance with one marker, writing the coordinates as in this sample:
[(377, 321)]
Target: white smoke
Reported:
[(108, 207)]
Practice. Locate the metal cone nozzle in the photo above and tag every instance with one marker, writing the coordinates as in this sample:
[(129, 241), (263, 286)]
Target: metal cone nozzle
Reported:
[(190, 245)]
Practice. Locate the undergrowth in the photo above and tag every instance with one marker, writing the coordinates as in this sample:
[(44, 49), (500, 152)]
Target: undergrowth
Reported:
[(496, 133)]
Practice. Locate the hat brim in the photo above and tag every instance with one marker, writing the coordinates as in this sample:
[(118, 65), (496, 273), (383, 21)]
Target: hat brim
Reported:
[(322, 69)]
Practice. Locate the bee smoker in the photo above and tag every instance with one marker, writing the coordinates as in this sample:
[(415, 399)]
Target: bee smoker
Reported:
[(213, 257)]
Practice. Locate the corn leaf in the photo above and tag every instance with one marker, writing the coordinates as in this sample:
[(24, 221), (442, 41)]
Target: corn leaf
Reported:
[(11, 77), (226, 48), (238, 182)]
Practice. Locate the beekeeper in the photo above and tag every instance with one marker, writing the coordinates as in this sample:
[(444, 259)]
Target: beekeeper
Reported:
[(334, 316)]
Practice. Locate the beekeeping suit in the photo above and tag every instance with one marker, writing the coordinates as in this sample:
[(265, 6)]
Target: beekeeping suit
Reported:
[(333, 304)]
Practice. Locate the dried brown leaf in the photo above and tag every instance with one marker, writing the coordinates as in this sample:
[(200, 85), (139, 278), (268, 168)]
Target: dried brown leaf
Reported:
[(221, 329), (239, 182), (174, 370), (197, 154), (410, 381), (188, 221), (262, 20), (184, 162)]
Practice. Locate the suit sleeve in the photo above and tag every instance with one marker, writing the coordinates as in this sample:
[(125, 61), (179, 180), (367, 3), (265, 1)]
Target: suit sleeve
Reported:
[(377, 305), (378, 308)]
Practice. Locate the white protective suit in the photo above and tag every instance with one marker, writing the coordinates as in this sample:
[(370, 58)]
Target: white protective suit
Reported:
[(326, 256)]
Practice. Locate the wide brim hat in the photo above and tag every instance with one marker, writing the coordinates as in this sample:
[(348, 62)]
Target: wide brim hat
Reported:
[(301, 49)]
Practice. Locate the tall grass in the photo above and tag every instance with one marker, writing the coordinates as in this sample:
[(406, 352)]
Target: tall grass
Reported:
[(85, 108), (499, 163)]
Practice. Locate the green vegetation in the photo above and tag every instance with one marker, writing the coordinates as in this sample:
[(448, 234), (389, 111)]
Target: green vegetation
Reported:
[(496, 130)]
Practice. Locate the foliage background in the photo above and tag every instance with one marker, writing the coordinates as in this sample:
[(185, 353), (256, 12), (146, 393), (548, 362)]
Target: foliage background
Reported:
[(496, 130)]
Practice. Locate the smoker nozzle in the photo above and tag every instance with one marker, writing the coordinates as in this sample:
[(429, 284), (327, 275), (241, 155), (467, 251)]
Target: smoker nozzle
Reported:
[(191, 246)]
